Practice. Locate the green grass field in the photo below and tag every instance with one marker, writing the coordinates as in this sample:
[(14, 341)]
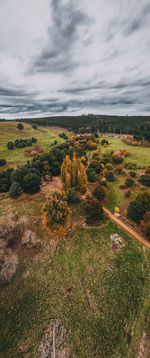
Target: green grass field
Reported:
[(109, 293), (9, 132), (139, 155)]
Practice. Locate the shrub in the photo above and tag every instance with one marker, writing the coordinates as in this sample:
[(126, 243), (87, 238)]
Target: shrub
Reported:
[(63, 135), (91, 175), (136, 211), (56, 210), (122, 186), (117, 159), (145, 223), (132, 174), (91, 145), (130, 165), (145, 180), (2, 162), (110, 176), (99, 192), (104, 141), (129, 182), (93, 208), (31, 183), (20, 126), (118, 170), (71, 196), (10, 145), (126, 153), (5, 180), (96, 165), (139, 207), (109, 166), (34, 126), (8, 263), (12, 228), (15, 190), (127, 193), (19, 174)]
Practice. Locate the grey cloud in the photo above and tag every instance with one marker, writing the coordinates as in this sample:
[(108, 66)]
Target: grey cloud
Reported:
[(86, 57), (66, 19)]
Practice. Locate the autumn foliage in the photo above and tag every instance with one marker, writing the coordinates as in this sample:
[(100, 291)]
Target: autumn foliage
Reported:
[(73, 174), (56, 210)]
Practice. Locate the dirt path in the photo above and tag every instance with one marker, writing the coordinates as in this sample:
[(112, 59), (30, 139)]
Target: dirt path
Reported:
[(127, 228)]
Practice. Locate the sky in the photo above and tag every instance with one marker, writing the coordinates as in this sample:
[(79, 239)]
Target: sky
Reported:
[(74, 57)]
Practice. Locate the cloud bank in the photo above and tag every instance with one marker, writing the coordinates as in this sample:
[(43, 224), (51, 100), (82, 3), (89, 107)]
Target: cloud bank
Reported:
[(74, 56)]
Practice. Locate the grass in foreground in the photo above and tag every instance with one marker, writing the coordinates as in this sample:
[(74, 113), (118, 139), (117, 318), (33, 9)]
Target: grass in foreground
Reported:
[(107, 292)]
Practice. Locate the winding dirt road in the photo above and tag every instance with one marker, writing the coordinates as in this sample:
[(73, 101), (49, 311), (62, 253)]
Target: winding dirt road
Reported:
[(127, 228)]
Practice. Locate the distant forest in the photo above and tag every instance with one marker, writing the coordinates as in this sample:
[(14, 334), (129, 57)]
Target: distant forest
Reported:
[(136, 125)]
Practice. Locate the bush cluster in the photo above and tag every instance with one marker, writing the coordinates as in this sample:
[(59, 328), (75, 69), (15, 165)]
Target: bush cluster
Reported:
[(21, 143), (63, 135)]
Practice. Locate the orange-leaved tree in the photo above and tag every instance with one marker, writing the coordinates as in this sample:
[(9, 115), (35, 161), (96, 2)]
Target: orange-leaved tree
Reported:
[(73, 174)]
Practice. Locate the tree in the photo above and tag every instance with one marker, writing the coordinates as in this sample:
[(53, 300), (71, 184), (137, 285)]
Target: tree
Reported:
[(136, 211), (93, 208), (145, 223), (129, 182), (145, 180), (117, 159), (31, 183), (5, 181), (104, 141), (110, 176), (15, 190), (91, 175), (20, 126), (73, 173), (10, 145), (56, 210), (99, 192), (139, 207), (96, 165)]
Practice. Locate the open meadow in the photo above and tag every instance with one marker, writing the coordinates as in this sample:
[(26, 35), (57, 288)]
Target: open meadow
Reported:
[(8, 132)]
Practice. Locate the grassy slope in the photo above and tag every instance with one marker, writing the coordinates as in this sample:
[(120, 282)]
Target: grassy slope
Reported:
[(139, 155), (9, 132)]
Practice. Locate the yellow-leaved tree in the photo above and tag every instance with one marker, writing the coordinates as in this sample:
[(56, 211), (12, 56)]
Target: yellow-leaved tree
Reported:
[(73, 174), (56, 210)]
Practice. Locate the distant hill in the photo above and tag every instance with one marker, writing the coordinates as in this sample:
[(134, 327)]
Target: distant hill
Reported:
[(103, 123)]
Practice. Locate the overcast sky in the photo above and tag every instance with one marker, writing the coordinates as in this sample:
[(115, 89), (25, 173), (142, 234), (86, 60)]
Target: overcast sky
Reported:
[(74, 56)]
